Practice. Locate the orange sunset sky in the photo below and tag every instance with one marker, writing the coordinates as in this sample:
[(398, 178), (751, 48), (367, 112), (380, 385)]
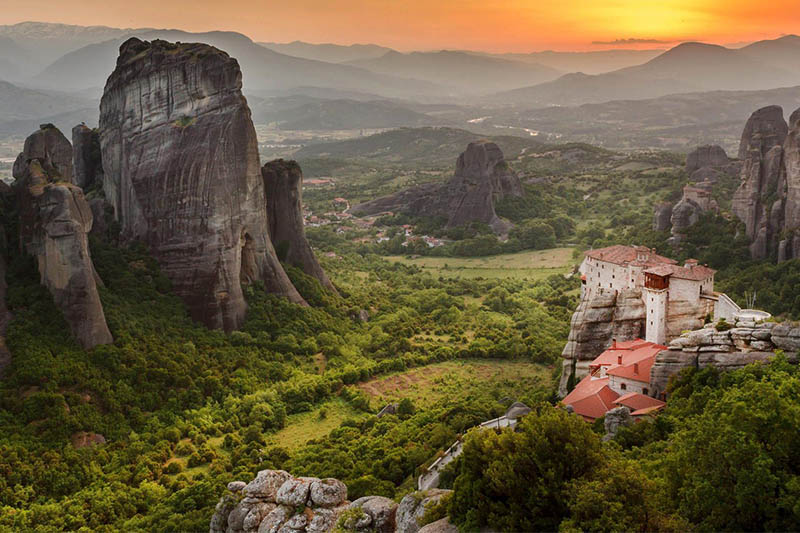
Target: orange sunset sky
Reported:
[(491, 25)]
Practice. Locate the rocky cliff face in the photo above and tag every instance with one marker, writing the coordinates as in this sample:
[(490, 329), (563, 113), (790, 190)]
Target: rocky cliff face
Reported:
[(706, 156), (55, 220), (747, 342), (595, 325), (283, 181), (767, 199), (482, 177), (86, 161), (181, 170)]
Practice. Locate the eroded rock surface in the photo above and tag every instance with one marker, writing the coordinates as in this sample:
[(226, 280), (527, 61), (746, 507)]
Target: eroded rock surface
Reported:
[(413, 506), (87, 164), (747, 342), (709, 155), (768, 199), (482, 177), (283, 181), (595, 324), (181, 170), (55, 220)]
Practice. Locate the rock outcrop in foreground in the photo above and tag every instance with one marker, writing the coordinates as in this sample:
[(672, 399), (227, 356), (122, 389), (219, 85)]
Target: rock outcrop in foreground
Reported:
[(181, 170), (277, 502), (482, 177), (746, 342), (55, 220), (283, 182), (768, 199)]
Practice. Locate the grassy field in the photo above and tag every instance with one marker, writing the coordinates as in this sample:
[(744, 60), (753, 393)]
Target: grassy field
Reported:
[(523, 265), (303, 427), (429, 384)]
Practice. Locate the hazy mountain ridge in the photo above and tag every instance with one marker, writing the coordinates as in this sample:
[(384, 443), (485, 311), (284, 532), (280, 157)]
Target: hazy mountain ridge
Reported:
[(465, 72), (329, 52), (263, 68), (688, 67)]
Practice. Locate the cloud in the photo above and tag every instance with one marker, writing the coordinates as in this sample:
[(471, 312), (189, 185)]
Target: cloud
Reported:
[(624, 42)]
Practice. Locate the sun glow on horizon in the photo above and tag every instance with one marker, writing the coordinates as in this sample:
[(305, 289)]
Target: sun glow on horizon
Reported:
[(497, 26)]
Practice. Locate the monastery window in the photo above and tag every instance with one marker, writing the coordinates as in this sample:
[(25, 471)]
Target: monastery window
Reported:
[(651, 322), (623, 386), (644, 391)]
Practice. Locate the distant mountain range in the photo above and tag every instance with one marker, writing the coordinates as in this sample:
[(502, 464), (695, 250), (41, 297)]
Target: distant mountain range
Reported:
[(331, 53), (688, 67), (586, 62), (461, 71)]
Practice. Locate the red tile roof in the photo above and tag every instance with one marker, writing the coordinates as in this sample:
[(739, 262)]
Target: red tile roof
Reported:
[(591, 398), (695, 273), (622, 255), (647, 410), (635, 401)]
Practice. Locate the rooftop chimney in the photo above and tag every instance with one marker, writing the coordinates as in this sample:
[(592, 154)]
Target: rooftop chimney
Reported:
[(635, 368), (619, 359), (690, 263)]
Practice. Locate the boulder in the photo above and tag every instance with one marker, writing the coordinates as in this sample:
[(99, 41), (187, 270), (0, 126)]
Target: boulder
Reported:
[(182, 173), (327, 493), (55, 221), (440, 526), (378, 514), (273, 522), (83, 439), (324, 520), (615, 419), (294, 492), (412, 508), (266, 484), (222, 511), (256, 514), (295, 524), (283, 181)]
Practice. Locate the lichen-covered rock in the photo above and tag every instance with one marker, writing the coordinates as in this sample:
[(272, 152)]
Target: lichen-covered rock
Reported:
[(482, 177), (379, 514), (181, 170), (266, 484), (295, 491), (222, 511), (615, 419), (413, 506), (257, 513), (236, 486), (55, 220), (440, 526), (327, 493), (273, 522), (87, 164), (295, 524)]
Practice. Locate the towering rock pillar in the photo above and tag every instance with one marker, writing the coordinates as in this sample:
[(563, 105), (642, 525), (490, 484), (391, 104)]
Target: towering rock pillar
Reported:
[(283, 181), (55, 220), (181, 170), (86, 156), (758, 201), (791, 168)]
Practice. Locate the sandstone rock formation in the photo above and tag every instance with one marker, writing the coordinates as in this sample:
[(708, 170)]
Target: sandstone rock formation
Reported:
[(596, 323), (413, 506), (55, 220), (277, 502), (705, 166), (181, 170), (482, 177), (86, 159), (283, 181), (747, 342), (709, 155), (768, 199)]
